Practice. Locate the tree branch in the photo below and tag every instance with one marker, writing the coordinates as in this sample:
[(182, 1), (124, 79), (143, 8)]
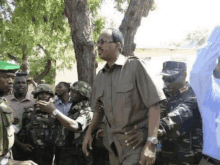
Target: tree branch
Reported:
[(45, 51), (12, 57), (45, 72)]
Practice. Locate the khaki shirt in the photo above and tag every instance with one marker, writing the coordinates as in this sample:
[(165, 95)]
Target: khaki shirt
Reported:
[(19, 106), (126, 91), (6, 129)]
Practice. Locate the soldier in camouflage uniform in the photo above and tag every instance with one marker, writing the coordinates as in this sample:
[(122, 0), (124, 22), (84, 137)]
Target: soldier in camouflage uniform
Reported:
[(180, 128), (39, 128), (7, 74), (79, 117)]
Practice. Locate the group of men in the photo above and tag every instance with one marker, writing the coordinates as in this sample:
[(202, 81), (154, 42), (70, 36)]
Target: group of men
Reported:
[(39, 124), (183, 117)]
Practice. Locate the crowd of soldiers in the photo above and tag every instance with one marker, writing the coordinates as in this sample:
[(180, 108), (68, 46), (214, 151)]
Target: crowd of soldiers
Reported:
[(139, 122)]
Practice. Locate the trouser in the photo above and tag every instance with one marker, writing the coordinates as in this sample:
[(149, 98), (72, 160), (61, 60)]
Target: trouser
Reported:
[(43, 156), (132, 159), (73, 155), (206, 160), (58, 151), (129, 160)]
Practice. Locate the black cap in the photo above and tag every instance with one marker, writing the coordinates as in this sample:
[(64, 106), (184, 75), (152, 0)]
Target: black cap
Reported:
[(171, 68)]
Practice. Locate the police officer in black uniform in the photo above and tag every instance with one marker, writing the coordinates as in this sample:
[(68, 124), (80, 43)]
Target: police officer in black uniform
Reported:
[(180, 130)]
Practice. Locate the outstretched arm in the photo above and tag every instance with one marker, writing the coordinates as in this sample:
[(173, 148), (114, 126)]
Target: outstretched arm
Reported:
[(206, 61)]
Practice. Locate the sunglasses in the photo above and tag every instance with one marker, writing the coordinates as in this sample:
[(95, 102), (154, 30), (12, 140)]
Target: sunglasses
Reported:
[(171, 79)]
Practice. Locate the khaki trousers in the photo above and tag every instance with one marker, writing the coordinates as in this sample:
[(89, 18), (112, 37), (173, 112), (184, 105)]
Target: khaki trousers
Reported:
[(129, 160)]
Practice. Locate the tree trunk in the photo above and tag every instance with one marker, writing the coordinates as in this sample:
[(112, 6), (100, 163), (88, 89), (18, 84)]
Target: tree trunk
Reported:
[(81, 32), (132, 20), (25, 64)]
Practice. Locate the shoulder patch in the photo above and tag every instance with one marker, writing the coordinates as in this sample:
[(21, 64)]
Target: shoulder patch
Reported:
[(5, 107)]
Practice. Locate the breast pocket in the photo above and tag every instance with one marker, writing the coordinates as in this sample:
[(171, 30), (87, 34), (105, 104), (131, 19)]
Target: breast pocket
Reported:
[(125, 95)]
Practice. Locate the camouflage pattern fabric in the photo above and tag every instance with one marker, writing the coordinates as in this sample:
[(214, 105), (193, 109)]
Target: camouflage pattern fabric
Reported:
[(6, 128), (83, 88), (39, 129), (43, 88), (181, 124), (81, 109), (72, 151)]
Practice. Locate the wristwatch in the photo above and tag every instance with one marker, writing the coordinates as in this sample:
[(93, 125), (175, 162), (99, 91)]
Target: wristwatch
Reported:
[(55, 112), (153, 140), (4, 161)]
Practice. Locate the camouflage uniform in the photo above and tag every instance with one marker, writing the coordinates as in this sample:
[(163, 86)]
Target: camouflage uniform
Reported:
[(39, 129), (181, 123), (72, 152), (6, 120), (6, 129)]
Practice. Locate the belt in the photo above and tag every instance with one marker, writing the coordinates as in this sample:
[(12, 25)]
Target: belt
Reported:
[(211, 160)]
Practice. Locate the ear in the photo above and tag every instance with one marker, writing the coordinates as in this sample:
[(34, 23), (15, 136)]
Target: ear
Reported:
[(118, 46)]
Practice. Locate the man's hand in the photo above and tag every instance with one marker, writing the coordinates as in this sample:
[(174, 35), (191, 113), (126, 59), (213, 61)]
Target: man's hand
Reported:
[(16, 121), (27, 147), (45, 106), (135, 137), (87, 142), (100, 134), (148, 154)]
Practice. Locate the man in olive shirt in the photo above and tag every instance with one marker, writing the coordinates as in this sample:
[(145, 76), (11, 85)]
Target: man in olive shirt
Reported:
[(124, 93)]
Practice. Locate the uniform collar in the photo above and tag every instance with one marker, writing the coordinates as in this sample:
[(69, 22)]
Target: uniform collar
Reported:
[(180, 92), (59, 101), (120, 61), (13, 98)]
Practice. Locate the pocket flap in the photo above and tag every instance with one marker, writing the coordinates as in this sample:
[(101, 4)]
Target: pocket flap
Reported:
[(125, 87), (6, 108)]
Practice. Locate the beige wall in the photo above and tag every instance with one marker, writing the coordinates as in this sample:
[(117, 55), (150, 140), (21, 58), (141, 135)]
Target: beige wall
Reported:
[(154, 59)]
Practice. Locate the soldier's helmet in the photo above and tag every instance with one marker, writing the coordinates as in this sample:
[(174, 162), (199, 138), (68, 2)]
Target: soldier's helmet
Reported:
[(43, 88), (83, 88)]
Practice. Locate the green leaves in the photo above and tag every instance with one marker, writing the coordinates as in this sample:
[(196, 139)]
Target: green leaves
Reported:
[(34, 23)]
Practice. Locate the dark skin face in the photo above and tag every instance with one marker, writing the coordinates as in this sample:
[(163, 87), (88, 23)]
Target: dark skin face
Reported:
[(20, 85), (76, 96), (44, 96), (173, 87), (6, 83), (61, 89)]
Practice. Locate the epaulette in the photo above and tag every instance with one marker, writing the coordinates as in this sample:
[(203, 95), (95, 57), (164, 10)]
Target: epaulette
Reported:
[(5, 107)]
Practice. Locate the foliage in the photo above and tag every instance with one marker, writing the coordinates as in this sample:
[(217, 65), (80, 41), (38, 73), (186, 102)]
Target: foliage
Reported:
[(122, 5), (40, 27), (197, 37)]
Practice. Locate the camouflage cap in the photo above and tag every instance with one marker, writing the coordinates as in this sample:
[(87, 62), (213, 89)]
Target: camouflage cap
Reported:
[(43, 88), (5, 66), (83, 88)]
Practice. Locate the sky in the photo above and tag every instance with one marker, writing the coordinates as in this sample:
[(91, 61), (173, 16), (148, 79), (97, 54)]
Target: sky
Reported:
[(171, 21)]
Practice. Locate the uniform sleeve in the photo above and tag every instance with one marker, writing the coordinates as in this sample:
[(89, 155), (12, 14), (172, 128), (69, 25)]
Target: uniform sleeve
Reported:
[(180, 120), (149, 92), (84, 118), (96, 104), (205, 63)]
